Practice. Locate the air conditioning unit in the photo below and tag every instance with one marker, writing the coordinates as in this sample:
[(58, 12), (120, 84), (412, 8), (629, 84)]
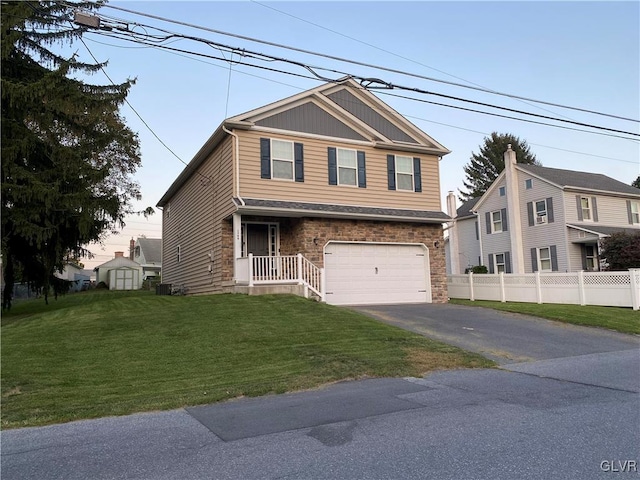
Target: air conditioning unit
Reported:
[(541, 219)]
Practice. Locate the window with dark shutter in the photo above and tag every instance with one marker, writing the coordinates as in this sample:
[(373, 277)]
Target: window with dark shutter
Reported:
[(391, 172), (298, 151), (362, 170)]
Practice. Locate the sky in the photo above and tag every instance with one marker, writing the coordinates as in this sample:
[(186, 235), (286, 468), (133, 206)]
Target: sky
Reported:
[(584, 55)]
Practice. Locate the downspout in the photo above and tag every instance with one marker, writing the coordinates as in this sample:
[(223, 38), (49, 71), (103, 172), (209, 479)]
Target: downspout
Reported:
[(236, 162)]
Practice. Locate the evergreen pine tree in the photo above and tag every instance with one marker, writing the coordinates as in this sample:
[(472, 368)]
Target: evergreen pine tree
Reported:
[(484, 167), (67, 155)]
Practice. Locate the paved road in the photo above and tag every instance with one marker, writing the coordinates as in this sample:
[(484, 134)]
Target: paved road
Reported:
[(572, 417)]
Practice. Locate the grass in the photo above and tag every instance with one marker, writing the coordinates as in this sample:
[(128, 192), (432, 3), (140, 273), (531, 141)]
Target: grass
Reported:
[(623, 320), (102, 353)]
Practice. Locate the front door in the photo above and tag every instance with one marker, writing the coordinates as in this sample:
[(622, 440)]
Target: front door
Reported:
[(257, 239)]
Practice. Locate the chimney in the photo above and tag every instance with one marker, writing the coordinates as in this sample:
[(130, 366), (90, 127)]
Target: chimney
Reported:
[(119, 254), (132, 246), (451, 204)]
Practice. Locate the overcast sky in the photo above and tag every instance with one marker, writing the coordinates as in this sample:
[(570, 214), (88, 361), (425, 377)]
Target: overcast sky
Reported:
[(577, 54)]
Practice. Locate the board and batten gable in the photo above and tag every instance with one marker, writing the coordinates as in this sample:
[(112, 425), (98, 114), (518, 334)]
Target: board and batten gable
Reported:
[(316, 188), (192, 223), (546, 234)]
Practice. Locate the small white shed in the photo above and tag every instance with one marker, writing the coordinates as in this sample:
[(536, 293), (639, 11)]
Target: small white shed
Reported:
[(120, 273)]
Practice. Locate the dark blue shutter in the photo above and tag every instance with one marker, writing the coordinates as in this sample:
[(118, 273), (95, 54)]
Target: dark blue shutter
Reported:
[(391, 171), (594, 209), (550, 210), (503, 214), (362, 171), (534, 260), (507, 262), (487, 217), (298, 155), (491, 270), (554, 258), (530, 213), (265, 158), (333, 166), (417, 175)]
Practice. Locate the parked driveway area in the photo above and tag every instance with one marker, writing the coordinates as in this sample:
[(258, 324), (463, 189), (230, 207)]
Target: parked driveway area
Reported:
[(501, 336)]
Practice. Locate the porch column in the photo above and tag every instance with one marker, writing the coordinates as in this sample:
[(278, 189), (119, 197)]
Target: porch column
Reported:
[(237, 242)]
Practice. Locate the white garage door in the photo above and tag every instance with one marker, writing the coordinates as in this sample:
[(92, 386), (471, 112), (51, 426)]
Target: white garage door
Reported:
[(375, 273)]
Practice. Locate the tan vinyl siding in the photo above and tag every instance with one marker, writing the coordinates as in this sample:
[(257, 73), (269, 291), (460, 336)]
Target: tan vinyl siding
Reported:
[(316, 188), (193, 219)]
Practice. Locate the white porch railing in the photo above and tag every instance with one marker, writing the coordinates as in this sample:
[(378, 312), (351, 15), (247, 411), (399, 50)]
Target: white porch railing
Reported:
[(615, 289), (288, 269)]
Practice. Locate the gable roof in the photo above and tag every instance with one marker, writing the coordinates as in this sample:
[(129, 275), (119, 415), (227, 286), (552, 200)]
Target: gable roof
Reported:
[(466, 209), (119, 262), (341, 109), (152, 248), (571, 179)]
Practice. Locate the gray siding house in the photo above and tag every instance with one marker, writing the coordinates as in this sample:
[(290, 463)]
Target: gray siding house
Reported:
[(536, 218)]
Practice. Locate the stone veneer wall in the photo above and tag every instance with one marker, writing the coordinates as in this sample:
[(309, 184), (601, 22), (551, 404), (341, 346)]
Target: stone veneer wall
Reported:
[(309, 236)]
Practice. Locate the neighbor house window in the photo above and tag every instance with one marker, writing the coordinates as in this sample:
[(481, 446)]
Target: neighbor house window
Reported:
[(404, 173), (635, 212), (282, 159), (544, 259), (590, 257), (503, 191), (347, 167), (585, 205), (496, 221), (528, 184), (499, 264), (541, 212)]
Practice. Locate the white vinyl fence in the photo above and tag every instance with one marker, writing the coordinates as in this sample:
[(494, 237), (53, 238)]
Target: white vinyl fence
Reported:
[(615, 289)]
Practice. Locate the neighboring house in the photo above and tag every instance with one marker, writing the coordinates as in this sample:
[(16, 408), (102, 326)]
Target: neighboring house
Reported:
[(462, 244), (74, 273), (120, 273), (332, 174), (148, 253), (535, 218)]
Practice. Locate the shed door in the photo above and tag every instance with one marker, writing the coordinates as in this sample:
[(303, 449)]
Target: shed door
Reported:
[(374, 273)]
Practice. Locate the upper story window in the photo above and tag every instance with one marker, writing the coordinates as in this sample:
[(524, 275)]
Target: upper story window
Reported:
[(137, 251), (347, 167), (528, 184), (634, 211), (404, 173), (503, 191), (281, 159), (585, 206), (496, 221), (541, 212)]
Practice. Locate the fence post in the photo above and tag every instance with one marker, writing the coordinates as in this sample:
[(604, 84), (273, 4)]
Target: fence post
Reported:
[(471, 294), (635, 287), (503, 298), (538, 288), (251, 269), (582, 293), (299, 268)]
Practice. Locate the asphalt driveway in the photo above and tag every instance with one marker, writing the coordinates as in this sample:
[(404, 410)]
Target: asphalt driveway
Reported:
[(501, 336)]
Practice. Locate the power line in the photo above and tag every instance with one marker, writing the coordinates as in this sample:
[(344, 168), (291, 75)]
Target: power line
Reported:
[(377, 67)]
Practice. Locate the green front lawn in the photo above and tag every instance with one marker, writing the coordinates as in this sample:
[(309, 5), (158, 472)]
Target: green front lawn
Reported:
[(103, 353), (623, 320)]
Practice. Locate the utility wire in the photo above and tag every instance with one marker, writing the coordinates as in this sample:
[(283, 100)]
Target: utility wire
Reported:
[(377, 67)]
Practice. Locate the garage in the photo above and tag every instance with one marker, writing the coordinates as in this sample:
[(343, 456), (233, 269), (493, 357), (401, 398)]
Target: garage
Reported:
[(376, 273)]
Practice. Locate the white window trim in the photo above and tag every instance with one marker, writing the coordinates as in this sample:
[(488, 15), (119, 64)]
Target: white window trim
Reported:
[(413, 178), (528, 184), (496, 264), (537, 215), (493, 223), (292, 161), (540, 269), (502, 191), (635, 212), (338, 167), (588, 209)]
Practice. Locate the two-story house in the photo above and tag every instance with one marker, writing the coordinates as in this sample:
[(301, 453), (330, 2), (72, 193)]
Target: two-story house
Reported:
[(535, 218), (148, 253), (330, 180)]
